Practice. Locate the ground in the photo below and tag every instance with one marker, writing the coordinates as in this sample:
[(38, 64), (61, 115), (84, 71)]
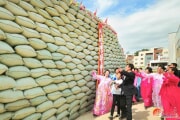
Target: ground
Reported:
[(139, 113)]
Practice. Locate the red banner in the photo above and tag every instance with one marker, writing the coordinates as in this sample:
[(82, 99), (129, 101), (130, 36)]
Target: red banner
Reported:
[(101, 50)]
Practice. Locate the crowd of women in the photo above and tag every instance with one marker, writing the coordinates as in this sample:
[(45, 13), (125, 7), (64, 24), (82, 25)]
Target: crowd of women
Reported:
[(160, 90)]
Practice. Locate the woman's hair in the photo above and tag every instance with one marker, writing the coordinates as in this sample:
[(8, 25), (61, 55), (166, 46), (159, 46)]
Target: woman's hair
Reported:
[(105, 72), (115, 69), (149, 69)]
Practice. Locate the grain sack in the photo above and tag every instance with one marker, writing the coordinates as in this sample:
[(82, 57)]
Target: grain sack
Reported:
[(69, 78), (3, 68), (70, 99), (5, 14), (44, 80), (63, 5), (62, 108), (66, 93), (5, 48), (86, 51), (80, 16), (2, 108), (2, 2), (84, 99), (76, 61), (65, 18), (52, 47), (60, 64), (17, 105), (58, 21), (74, 116), (24, 21), (93, 53), (25, 51), (66, 37), (83, 29), (81, 83), (11, 59), (71, 84), (70, 16), (78, 77), (71, 65), (6, 116), (58, 79), (74, 24), (72, 53), (44, 106), (16, 39), (53, 118), (78, 48), (84, 88), (15, 9), (77, 31), (96, 57), (51, 23), (2, 35), (20, 114), (55, 32), (44, 54), (59, 9), (63, 30), (74, 110), (84, 73), (80, 67), (6, 82), (42, 28), (48, 64), (38, 3), (74, 104), (70, 45), (90, 84), (62, 86), (10, 27), (38, 100), (18, 72), (57, 56), (36, 17), (47, 38), (73, 34), (37, 43), (59, 102), (50, 88), (44, 13), (25, 83), (84, 45), (88, 58), (10, 96), (30, 33), (54, 72), (80, 95), (89, 93), (54, 96), (62, 115), (59, 41), (32, 63), (83, 105), (46, 115), (34, 92), (34, 116), (88, 78), (26, 6), (52, 11), (62, 49), (93, 62), (66, 72), (67, 58), (76, 90)]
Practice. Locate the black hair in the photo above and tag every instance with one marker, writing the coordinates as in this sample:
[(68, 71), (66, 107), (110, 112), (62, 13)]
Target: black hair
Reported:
[(174, 64), (131, 66), (149, 69), (162, 66), (115, 69)]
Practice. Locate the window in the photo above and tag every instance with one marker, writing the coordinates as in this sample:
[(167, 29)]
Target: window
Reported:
[(141, 58)]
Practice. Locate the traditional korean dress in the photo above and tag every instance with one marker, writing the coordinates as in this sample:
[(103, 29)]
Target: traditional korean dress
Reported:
[(103, 101)]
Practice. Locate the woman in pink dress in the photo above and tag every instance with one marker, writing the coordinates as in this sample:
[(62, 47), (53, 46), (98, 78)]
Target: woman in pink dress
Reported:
[(103, 101), (146, 86), (170, 95)]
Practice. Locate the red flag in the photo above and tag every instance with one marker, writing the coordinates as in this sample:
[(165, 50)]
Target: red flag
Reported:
[(106, 21), (95, 12), (82, 7)]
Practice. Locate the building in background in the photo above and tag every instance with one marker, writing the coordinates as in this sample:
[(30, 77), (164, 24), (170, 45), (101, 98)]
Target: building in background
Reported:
[(129, 58), (174, 47)]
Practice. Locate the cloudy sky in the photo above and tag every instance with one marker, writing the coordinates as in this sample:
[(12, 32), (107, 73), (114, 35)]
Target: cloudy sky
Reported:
[(139, 23)]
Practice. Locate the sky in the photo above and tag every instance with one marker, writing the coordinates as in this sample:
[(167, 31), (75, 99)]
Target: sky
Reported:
[(140, 24)]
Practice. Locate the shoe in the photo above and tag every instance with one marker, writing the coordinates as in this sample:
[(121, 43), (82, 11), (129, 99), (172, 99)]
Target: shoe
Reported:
[(110, 117), (117, 115)]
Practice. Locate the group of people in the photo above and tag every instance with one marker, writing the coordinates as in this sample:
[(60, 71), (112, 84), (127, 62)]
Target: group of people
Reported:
[(160, 89)]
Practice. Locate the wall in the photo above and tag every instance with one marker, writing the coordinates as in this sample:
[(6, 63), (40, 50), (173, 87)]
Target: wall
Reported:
[(48, 49)]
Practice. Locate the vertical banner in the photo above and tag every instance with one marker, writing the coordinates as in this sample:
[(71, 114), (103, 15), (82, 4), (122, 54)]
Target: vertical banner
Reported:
[(100, 52)]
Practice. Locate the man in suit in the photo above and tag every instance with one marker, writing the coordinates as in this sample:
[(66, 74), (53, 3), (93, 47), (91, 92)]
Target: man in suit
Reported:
[(128, 88)]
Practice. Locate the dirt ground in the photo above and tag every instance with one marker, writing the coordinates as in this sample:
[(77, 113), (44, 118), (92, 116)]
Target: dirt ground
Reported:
[(139, 113)]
